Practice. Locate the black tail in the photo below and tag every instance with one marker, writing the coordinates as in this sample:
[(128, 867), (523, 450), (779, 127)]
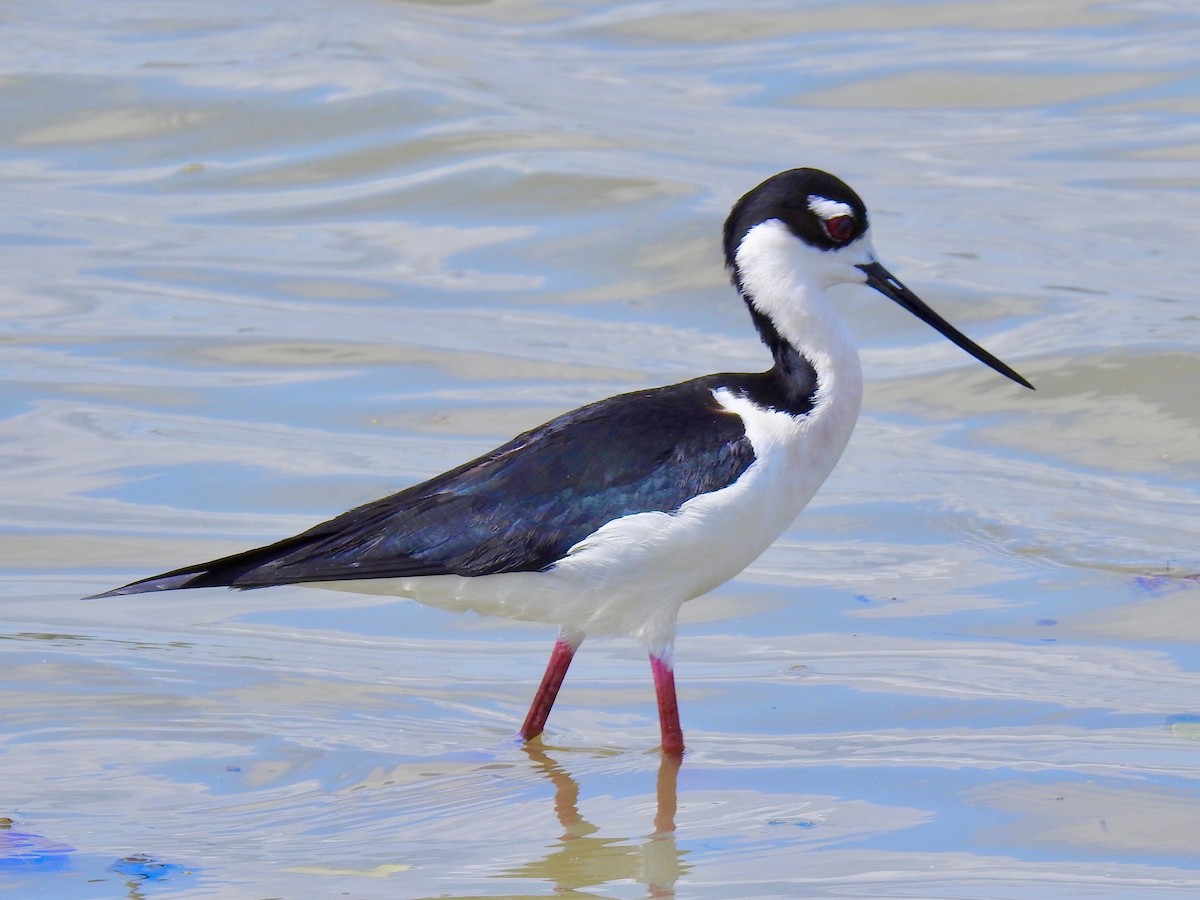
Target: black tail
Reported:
[(223, 572)]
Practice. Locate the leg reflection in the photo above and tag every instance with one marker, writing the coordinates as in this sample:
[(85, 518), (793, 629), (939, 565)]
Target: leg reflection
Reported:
[(584, 859), (661, 860)]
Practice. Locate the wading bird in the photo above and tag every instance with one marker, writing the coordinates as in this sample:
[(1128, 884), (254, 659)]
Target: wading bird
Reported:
[(607, 519)]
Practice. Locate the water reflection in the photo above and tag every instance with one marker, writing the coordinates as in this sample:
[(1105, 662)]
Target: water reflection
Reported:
[(581, 858)]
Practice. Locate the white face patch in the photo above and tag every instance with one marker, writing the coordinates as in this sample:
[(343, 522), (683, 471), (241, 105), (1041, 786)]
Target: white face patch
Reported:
[(828, 209)]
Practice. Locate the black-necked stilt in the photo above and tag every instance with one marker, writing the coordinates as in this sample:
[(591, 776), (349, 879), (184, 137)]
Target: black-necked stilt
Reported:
[(607, 519)]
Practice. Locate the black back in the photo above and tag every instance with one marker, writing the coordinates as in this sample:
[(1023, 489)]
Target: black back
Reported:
[(521, 507)]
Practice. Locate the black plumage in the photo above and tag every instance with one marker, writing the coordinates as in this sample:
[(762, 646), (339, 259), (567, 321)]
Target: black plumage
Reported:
[(521, 507)]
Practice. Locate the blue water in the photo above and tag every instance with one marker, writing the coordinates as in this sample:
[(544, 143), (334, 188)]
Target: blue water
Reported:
[(265, 262)]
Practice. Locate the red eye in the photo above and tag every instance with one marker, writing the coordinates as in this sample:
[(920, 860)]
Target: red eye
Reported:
[(839, 228)]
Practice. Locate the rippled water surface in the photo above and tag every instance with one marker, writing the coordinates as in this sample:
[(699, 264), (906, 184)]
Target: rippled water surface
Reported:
[(262, 262)]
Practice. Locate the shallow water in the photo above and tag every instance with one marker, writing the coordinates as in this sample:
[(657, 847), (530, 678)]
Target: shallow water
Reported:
[(263, 262)]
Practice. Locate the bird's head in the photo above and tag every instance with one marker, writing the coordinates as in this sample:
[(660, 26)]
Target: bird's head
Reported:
[(807, 227)]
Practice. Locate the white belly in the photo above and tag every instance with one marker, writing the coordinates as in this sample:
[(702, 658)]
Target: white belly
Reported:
[(631, 576)]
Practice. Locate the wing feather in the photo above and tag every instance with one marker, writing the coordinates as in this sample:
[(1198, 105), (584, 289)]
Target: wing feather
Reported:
[(519, 508)]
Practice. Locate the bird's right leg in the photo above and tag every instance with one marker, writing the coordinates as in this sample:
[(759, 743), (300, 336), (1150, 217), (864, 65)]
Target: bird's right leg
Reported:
[(556, 671)]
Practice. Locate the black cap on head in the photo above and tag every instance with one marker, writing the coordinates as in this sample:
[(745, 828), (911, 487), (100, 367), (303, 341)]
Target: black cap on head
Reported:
[(789, 197)]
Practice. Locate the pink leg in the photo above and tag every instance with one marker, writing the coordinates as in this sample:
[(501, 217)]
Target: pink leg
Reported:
[(543, 700), (668, 706)]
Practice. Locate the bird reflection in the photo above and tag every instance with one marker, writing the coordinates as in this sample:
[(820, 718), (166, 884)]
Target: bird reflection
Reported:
[(582, 859)]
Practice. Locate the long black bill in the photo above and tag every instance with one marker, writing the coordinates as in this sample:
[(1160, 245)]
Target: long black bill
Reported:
[(893, 288)]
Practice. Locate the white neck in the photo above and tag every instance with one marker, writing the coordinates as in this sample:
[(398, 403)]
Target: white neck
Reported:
[(785, 280)]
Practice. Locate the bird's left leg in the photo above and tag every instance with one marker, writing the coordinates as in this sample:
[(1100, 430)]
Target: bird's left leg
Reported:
[(662, 665)]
